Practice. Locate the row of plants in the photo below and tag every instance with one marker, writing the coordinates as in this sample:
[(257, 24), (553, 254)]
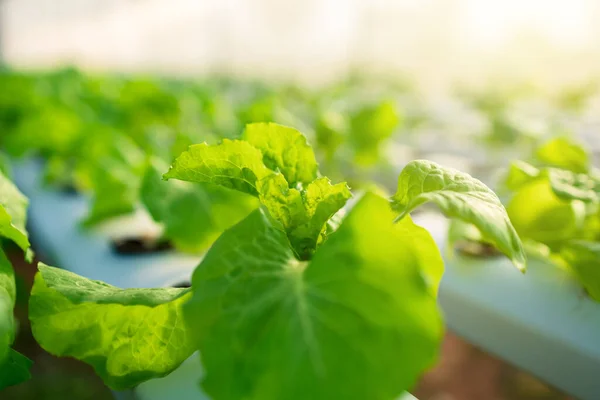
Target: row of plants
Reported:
[(298, 274), (109, 137), (303, 297), (61, 112), (81, 123), (522, 113)]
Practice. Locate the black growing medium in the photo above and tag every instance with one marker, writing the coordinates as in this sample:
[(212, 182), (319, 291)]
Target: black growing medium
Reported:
[(136, 246), (69, 190), (182, 285)]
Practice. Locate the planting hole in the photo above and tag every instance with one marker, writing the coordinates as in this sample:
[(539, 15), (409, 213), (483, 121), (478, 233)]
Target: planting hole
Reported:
[(135, 246), (182, 285), (69, 190)]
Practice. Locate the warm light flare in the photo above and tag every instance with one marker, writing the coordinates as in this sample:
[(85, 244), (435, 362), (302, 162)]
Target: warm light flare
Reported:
[(562, 22)]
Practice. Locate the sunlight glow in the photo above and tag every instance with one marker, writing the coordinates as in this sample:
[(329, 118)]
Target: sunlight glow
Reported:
[(562, 22)]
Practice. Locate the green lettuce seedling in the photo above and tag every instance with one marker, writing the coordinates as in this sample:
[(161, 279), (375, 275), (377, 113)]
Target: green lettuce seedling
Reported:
[(280, 301), (275, 164), (289, 302), (555, 204)]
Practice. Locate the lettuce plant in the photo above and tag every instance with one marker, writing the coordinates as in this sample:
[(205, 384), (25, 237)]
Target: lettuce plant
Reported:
[(305, 297), (14, 367), (555, 207)]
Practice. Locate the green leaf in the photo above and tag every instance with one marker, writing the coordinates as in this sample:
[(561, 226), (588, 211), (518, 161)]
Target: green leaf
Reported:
[(519, 174), (194, 215), (371, 126), (331, 129), (54, 128), (15, 369), (584, 259), (13, 213), (144, 103), (356, 322), (539, 251), (115, 192), (305, 213), (564, 153), (284, 149), (114, 166), (234, 164), (565, 184), (571, 186), (425, 249), (157, 195), (5, 165), (285, 205), (538, 214), (104, 147), (8, 293), (321, 201), (127, 335), (459, 196)]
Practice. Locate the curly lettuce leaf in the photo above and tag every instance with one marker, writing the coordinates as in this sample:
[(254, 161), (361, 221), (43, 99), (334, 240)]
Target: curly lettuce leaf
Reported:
[(193, 215), (305, 213), (234, 164), (357, 321), (322, 200), (285, 150), (459, 196), (127, 335), (303, 210)]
